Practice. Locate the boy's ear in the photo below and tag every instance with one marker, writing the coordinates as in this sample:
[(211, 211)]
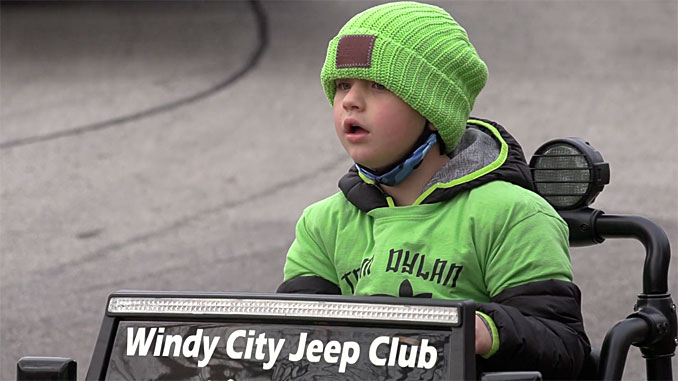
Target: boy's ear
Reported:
[(431, 126)]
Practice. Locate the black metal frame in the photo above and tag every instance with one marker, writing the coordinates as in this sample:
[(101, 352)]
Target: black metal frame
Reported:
[(652, 327)]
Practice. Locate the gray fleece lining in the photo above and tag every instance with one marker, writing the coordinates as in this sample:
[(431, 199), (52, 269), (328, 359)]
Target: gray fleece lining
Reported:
[(476, 150)]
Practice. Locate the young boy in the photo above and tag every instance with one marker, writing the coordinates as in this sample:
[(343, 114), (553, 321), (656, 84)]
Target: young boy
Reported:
[(437, 205)]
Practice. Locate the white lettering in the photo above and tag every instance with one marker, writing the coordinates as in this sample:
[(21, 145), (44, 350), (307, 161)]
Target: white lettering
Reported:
[(230, 350), (428, 356), (332, 348), (194, 340), (393, 351), (209, 350), (169, 340), (248, 345), (140, 340), (349, 355), (260, 343), (273, 351), (313, 351), (300, 350), (158, 342), (374, 347), (410, 361)]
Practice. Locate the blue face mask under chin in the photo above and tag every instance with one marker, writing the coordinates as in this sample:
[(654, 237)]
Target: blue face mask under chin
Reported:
[(405, 168)]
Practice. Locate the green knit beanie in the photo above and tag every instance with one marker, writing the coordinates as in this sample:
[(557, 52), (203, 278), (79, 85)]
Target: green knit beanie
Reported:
[(419, 53)]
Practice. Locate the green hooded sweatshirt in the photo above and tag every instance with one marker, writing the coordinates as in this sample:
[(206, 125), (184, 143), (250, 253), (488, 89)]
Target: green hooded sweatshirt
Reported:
[(473, 245)]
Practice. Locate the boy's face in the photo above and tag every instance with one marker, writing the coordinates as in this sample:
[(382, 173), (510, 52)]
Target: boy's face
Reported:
[(374, 125)]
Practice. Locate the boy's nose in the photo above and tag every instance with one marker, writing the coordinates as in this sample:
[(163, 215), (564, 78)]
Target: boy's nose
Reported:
[(354, 99)]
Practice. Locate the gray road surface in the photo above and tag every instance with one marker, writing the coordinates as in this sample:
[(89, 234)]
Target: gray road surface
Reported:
[(205, 195)]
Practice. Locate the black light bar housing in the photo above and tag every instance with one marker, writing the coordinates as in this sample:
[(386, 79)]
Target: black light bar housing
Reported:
[(569, 173)]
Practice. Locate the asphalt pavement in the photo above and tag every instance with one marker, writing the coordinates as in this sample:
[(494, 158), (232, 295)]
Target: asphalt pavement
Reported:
[(173, 145)]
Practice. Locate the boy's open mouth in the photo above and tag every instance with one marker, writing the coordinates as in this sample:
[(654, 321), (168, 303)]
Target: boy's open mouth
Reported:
[(352, 127), (353, 131), (356, 130)]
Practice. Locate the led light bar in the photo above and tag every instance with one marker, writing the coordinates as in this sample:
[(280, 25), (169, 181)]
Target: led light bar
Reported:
[(569, 173), (447, 315)]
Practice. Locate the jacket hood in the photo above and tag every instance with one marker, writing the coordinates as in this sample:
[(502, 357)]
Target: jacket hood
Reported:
[(486, 152)]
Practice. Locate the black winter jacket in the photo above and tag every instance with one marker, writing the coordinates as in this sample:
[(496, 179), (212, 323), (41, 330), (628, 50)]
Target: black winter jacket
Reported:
[(540, 324)]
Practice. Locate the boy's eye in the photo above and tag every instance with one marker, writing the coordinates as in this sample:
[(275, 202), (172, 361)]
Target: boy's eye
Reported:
[(378, 86), (343, 85)]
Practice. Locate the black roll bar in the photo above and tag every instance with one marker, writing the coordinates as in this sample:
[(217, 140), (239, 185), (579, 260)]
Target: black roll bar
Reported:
[(616, 346), (653, 238), (652, 326)]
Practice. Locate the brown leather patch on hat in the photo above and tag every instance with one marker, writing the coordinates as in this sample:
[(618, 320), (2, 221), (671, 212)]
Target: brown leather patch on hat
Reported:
[(355, 50)]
